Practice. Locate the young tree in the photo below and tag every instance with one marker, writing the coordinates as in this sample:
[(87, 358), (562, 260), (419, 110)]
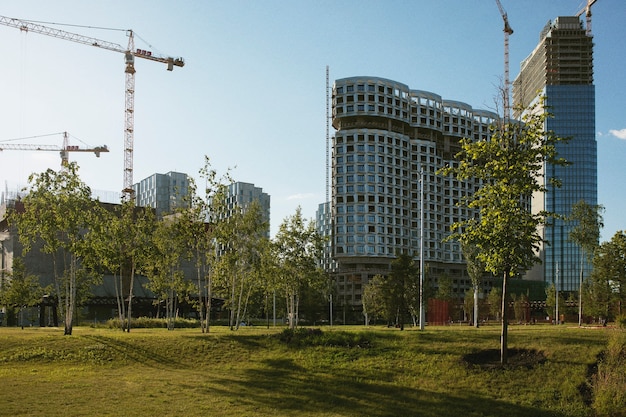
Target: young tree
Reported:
[(610, 274), (495, 302), (510, 165), (586, 234), (551, 302), (403, 286), (60, 213), (475, 269), (19, 290), (299, 247), (241, 237)]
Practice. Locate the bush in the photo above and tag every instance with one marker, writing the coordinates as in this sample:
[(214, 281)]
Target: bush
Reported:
[(609, 385), (152, 323), (621, 321), (302, 337)]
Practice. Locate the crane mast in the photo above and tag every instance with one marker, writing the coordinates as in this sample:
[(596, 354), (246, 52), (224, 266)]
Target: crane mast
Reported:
[(587, 11), (507, 32), (129, 53)]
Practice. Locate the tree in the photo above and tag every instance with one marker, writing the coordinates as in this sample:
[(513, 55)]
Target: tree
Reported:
[(475, 269), (298, 248), (510, 165), (495, 302), (403, 288), (586, 234), (19, 290), (60, 213), (551, 302), (198, 245), (373, 300), (241, 237), (162, 264), (609, 275)]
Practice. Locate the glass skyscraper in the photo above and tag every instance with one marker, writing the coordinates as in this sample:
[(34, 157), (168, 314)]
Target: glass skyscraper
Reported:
[(561, 69)]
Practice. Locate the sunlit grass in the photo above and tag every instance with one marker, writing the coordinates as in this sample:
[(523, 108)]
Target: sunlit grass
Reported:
[(252, 372)]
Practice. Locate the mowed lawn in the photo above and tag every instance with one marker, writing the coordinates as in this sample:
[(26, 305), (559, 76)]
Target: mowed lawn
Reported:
[(252, 372)]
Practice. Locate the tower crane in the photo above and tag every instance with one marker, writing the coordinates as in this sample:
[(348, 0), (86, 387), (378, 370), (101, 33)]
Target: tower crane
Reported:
[(129, 53), (507, 31), (63, 150), (587, 11)]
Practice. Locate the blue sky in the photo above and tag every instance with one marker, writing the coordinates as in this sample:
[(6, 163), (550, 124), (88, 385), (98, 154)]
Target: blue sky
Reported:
[(252, 94)]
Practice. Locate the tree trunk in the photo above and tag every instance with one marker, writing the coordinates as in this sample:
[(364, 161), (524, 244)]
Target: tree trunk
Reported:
[(476, 318), (208, 302), (200, 297), (505, 329), (130, 296)]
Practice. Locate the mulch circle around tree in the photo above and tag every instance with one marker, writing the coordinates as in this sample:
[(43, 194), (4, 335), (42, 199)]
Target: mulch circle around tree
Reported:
[(517, 358)]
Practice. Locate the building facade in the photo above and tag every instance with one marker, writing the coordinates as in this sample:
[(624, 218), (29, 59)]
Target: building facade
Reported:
[(162, 192), (389, 141), (561, 69), (241, 194)]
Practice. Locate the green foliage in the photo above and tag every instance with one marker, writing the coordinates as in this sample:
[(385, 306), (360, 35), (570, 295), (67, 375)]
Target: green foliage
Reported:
[(153, 323), (306, 337), (298, 247), (444, 289), (510, 166), (19, 289), (495, 302), (60, 214), (609, 385), (607, 286), (588, 222)]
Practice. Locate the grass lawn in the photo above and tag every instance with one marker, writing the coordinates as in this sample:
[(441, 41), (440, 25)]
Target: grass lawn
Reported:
[(251, 372)]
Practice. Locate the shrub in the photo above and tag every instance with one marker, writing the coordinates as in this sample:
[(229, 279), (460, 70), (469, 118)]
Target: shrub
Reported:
[(152, 323), (609, 385), (301, 337)]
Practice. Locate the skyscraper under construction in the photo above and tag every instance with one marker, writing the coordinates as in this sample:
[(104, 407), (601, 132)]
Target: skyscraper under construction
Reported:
[(561, 69)]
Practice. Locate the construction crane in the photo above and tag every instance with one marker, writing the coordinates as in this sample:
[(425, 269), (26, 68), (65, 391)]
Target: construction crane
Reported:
[(507, 31), (587, 11), (63, 150), (129, 53)]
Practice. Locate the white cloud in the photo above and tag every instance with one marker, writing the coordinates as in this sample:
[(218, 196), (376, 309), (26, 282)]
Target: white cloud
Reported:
[(301, 196), (621, 134)]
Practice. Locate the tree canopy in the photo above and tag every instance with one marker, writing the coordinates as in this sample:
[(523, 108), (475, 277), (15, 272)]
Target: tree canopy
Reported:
[(510, 166)]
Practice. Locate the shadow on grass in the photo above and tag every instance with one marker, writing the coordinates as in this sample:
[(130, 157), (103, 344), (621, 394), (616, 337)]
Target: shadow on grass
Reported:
[(285, 388), (131, 351)]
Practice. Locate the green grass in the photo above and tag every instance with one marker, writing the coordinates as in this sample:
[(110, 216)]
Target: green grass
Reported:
[(252, 372)]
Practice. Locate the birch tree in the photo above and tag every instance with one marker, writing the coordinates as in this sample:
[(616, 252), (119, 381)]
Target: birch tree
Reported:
[(240, 236), (299, 247), (586, 234), (60, 213)]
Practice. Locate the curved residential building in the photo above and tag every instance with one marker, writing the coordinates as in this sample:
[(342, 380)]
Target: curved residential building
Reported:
[(387, 138)]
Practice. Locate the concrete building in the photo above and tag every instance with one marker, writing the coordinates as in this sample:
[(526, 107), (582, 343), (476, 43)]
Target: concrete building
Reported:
[(561, 69), (389, 138), (162, 192), (241, 194)]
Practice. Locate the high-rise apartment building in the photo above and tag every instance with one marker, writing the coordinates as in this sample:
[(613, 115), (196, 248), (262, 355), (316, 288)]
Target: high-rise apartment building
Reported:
[(561, 69), (242, 194), (162, 192), (389, 138)]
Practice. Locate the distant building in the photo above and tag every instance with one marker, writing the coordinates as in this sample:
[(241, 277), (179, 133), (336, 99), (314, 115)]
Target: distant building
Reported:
[(162, 192), (242, 194), (389, 138), (561, 69)]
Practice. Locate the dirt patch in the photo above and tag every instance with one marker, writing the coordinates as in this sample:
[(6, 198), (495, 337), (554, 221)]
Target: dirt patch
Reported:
[(517, 358)]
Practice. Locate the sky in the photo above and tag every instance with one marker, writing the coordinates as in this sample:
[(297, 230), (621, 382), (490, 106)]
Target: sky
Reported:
[(252, 94)]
